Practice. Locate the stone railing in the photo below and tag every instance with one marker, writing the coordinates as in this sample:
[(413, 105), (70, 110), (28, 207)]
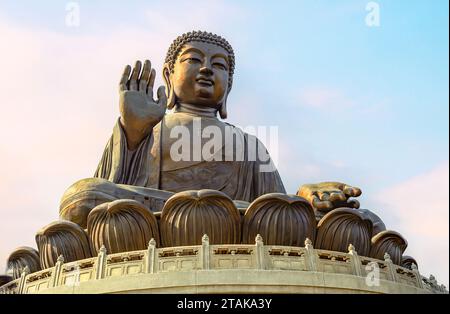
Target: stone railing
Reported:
[(218, 257)]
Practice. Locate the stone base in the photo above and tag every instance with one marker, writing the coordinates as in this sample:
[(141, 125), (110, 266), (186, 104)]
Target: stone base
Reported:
[(222, 269), (236, 282)]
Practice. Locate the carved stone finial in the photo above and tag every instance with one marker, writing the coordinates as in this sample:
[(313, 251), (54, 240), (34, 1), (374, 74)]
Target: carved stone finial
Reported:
[(60, 259), (351, 248), (387, 257), (152, 242), (26, 270), (433, 280), (102, 250), (308, 242), (205, 239), (258, 238)]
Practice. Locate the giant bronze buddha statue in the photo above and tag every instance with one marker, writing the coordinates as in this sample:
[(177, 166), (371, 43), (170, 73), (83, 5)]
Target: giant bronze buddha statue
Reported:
[(186, 178), (138, 160)]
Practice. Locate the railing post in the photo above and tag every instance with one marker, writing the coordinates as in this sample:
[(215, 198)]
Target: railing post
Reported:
[(311, 257), (57, 270), (416, 273), (260, 261), (433, 283), (22, 281), (356, 261), (100, 263), (150, 261), (205, 253), (391, 267)]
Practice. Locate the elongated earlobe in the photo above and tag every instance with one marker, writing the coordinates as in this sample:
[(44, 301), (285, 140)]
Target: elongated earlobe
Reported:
[(223, 109), (223, 104), (171, 98)]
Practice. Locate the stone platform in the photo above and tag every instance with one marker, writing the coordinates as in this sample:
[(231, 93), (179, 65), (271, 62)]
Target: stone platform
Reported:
[(225, 268)]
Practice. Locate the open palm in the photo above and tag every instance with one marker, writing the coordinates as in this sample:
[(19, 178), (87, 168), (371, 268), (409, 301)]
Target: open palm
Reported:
[(139, 111)]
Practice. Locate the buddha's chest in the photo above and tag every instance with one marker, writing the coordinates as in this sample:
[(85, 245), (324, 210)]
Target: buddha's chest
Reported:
[(204, 175)]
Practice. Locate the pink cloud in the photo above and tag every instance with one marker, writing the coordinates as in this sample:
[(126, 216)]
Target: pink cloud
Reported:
[(419, 210)]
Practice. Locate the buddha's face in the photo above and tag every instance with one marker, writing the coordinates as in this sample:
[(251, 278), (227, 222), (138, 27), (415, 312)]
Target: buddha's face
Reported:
[(201, 74)]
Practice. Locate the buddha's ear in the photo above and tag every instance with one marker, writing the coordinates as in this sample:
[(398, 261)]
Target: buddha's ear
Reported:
[(223, 104), (171, 99)]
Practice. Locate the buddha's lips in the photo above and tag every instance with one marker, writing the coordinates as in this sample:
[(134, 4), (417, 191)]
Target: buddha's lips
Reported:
[(205, 81)]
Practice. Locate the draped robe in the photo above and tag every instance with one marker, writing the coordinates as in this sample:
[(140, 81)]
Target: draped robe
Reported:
[(151, 165)]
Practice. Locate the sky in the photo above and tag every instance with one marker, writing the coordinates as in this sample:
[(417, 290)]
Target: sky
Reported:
[(354, 102)]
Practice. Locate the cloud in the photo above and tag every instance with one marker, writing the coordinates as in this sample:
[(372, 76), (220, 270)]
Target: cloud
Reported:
[(419, 209)]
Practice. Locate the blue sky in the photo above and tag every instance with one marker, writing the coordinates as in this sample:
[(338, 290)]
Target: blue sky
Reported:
[(364, 105)]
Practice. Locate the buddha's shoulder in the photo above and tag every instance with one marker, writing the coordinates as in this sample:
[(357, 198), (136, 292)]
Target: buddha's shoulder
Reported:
[(239, 129), (185, 119), (181, 119)]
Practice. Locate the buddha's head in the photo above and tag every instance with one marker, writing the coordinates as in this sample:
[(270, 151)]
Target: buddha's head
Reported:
[(198, 70)]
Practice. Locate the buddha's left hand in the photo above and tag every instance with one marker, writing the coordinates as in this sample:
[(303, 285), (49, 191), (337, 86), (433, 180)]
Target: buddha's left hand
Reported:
[(326, 196)]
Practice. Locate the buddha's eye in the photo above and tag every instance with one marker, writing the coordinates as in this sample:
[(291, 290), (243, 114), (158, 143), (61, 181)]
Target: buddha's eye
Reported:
[(220, 66), (193, 60)]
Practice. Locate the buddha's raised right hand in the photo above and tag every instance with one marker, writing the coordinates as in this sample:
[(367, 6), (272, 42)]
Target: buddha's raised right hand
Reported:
[(139, 112)]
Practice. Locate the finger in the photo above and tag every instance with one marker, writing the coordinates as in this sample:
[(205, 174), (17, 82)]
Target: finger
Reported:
[(353, 204), (162, 97), (143, 81), (357, 191), (322, 205), (135, 76), (337, 196), (324, 196), (305, 192), (151, 82), (352, 191), (124, 79), (313, 199)]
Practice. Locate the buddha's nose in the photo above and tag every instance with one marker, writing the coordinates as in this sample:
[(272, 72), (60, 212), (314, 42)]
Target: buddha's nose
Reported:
[(206, 69)]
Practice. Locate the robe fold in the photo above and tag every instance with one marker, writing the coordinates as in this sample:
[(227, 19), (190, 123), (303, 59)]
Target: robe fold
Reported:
[(151, 164)]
